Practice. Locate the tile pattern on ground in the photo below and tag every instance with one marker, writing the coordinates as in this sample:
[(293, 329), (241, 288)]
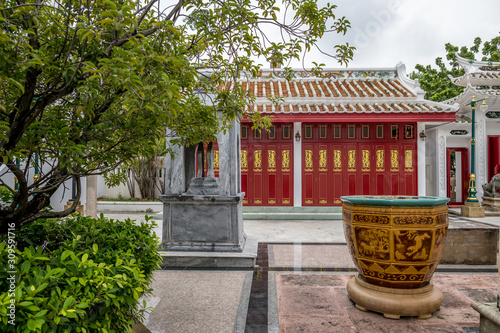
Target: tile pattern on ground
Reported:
[(310, 298), (257, 315), (196, 301), (308, 255), (318, 302)]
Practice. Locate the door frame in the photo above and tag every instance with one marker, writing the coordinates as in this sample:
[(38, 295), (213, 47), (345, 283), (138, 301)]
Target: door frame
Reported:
[(465, 173)]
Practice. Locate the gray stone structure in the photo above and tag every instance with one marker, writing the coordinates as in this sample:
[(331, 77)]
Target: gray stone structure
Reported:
[(201, 212)]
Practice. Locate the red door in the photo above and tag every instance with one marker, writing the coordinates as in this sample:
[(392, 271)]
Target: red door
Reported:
[(316, 168), (457, 174), (351, 169), (366, 170), (381, 169), (493, 155), (309, 181), (267, 166), (409, 186), (337, 183), (285, 175), (357, 159)]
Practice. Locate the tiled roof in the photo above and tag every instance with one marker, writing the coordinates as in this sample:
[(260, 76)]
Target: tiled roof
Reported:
[(401, 107), (463, 100), (327, 88), (478, 73), (488, 79), (339, 91)]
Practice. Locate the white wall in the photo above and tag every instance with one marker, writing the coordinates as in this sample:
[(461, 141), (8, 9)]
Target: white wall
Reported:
[(297, 165), (421, 148), (62, 194), (431, 166)]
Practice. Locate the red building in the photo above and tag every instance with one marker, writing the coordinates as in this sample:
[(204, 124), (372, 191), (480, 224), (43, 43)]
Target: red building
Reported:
[(347, 132)]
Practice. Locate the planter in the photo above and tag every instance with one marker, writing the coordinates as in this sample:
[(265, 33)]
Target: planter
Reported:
[(396, 243)]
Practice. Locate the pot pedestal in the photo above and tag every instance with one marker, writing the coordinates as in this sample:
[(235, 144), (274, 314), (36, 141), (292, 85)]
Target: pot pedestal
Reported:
[(394, 303)]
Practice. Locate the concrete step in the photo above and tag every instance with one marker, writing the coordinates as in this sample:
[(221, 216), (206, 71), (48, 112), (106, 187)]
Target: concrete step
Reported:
[(291, 213)]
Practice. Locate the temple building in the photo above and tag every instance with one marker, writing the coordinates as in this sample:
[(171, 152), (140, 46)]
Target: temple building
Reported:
[(365, 132), (344, 132), (448, 146)]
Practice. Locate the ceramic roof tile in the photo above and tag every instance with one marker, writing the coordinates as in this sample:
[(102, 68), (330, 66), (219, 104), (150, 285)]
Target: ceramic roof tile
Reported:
[(336, 92)]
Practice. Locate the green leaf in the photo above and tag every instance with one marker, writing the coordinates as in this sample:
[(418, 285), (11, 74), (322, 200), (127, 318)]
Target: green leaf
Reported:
[(17, 84), (41, 313), (41, 287), (32, 324), (65, 254), (33, 308), (110, 4), (68, 302)]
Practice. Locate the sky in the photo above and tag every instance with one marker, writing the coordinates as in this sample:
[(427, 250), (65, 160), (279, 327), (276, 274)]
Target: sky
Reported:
[(386, 32)]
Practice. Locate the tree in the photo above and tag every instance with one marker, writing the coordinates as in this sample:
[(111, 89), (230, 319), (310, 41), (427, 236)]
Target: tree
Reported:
[(437, 84), (87, 85), (143, 170)]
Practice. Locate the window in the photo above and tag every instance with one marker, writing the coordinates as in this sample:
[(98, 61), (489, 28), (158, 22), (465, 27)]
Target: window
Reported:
[(365, 131), (351, 131), (271, 132), (257, 134), (286, 132), (244, 132), (308, 132), (337, 131), (394, 132), (322, 132), (408, 131), (380, 131)]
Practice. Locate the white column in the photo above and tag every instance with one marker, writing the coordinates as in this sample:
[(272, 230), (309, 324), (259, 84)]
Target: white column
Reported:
[(174, 170), (297, 165), (441, 166), (421, 176), (229, 160), (91, 200), (481, 167)]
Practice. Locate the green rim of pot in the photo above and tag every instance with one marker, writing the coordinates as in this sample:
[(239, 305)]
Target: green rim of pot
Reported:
[(394, 200)]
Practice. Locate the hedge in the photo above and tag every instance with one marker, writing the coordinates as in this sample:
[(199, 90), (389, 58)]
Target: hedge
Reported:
[(77, 274)]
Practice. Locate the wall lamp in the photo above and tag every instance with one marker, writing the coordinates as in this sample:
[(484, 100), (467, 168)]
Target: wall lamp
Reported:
[(422, 136), (297, 136)]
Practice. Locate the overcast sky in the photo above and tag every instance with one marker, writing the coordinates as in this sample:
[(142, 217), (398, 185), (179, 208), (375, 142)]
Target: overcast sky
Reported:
[(386, 32)]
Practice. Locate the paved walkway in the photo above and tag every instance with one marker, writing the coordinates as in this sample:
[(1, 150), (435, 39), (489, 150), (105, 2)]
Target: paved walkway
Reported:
[(299, 286)]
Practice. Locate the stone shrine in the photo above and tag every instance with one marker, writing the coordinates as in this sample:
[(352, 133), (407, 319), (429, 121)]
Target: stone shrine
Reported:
[(202, 212)]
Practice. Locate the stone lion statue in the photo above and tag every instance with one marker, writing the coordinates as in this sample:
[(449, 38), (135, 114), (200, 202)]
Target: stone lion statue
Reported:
[(491, 189)]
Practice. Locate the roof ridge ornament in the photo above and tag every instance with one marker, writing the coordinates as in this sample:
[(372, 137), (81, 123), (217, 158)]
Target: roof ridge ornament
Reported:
[(412, 85)]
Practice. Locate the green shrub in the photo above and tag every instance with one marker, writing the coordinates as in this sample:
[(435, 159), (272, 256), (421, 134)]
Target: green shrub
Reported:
[(79, 274), (5, 195)]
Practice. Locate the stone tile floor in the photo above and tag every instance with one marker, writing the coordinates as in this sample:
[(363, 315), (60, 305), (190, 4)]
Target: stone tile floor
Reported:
[(301, 288)]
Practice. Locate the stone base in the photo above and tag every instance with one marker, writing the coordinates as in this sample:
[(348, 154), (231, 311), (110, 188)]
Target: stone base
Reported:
[(491, 203), (140, 328), (490, 317), (210, 223), (470, 243), (394, 303), (472, 209), (79, 207), (197, 259)]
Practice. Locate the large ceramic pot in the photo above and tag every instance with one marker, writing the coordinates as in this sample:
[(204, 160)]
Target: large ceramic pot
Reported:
[(395, 241)]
